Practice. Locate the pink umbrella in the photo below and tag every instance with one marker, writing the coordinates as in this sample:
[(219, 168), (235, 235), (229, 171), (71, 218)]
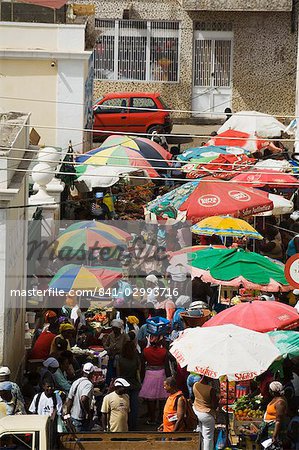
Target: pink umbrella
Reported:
[(258, 316)]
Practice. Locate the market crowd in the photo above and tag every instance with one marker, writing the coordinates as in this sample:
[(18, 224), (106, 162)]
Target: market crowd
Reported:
[(110, 368), (130, 381)]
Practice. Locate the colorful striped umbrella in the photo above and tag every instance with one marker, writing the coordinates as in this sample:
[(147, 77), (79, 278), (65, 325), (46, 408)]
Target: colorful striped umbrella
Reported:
[(74, 277), (126, 151), (98, 225), (225, 226), (82, 240)]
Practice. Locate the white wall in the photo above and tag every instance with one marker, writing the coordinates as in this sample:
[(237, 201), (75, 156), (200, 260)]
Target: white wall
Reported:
[(13, 251), (43, 71), (42, 36), (23, 81), (70, 98)]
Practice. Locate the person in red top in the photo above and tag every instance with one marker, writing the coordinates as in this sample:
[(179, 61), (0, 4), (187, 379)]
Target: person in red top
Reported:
[(155, 363), (42, 346)]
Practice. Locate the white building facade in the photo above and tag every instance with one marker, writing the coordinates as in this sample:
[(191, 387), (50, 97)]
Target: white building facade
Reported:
[(45, 69)]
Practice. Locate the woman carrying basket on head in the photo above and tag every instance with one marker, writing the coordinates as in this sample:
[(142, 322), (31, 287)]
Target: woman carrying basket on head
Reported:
[(155, 368)]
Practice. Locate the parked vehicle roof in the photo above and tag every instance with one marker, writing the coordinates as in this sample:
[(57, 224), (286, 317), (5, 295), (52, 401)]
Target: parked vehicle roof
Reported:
[(22, 423), (131, 94)]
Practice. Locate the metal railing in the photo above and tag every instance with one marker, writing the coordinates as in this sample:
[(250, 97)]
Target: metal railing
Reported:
[(137, 50)]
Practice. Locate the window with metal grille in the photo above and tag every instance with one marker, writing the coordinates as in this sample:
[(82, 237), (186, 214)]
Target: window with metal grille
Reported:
[(137, 50), (213, 26)]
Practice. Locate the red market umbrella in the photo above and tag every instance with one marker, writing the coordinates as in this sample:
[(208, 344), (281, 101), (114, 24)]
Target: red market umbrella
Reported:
[(237, 138), (224, 167), (262, 177), (258, 316), (224, 197)]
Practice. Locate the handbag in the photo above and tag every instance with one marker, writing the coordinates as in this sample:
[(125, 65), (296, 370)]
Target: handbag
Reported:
[(263, 433), (221, 440)]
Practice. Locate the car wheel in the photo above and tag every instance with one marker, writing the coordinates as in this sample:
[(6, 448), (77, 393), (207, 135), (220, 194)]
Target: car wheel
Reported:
[(153, 128)]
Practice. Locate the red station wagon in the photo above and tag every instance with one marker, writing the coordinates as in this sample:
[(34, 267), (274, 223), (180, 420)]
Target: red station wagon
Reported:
[(121, 115)]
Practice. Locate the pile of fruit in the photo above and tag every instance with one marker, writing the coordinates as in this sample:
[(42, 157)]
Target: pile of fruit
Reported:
[(248, 408)]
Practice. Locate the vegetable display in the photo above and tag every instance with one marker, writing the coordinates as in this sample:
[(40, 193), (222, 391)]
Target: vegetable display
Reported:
[(248, 408)]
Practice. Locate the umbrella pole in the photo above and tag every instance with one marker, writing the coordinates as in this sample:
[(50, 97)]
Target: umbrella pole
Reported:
[(219, 294), (254, 226), (227, 415)]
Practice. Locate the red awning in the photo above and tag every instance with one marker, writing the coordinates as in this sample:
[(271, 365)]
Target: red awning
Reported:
[(54, 4)]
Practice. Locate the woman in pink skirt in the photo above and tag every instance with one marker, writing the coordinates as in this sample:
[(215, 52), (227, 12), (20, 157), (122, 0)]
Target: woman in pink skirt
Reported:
[(155, 363)]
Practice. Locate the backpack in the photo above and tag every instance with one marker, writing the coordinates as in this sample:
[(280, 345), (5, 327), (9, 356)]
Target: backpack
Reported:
[(190, 419), (54, 398)]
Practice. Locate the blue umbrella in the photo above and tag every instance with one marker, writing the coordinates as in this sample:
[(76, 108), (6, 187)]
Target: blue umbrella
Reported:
[(209, 153)]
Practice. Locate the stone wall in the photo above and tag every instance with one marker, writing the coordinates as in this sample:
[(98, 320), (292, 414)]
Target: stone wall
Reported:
[(264, 56), (236, 5)]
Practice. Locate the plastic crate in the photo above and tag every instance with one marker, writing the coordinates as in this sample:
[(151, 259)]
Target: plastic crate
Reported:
[(157, 326)]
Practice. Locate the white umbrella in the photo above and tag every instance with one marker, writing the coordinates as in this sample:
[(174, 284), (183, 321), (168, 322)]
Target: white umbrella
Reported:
[(279, 165), (103, 176), (254, 122), (281, 206), (225, 350)]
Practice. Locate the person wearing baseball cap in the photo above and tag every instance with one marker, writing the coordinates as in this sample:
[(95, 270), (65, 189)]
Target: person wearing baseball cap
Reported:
[(116, 406), (79, 399), (5, 375), (50, 366), (9, 404)]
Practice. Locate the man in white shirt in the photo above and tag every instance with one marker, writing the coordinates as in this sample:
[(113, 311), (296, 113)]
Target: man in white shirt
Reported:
[(78, 405), (116, 407), (76, 316), (46, 402)]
